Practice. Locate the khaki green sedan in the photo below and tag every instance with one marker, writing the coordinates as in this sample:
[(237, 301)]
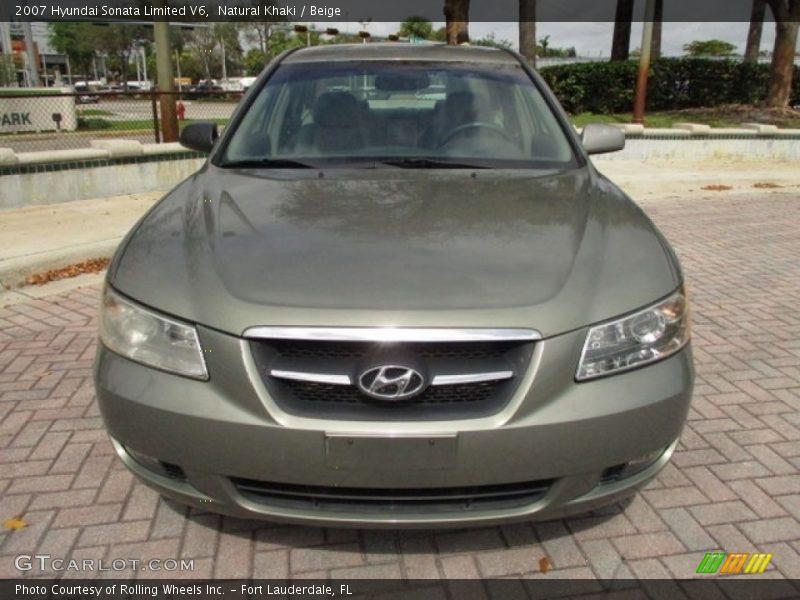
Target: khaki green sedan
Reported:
[(397, 294)]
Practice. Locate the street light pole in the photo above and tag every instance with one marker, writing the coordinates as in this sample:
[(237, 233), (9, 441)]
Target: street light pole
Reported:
[(224, 61), (143, 54), (30, 55), (178, 67), (640, 100)]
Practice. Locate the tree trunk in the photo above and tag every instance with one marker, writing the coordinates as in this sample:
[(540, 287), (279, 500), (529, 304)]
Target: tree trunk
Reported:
[(754, 34), (620, 47), (782, 70), (658, 22), (527, 30), (456, 14)]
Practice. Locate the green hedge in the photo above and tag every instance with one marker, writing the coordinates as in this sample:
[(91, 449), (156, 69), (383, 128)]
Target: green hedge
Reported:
[(674, 83)]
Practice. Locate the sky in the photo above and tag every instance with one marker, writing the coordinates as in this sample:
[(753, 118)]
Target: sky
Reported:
[(594, 39), (589, 39)]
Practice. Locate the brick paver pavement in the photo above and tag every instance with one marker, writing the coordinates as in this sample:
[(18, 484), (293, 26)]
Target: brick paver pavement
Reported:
[(733, 484)]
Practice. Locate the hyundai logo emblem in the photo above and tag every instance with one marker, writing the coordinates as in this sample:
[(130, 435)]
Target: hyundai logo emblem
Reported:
[(391, 382)]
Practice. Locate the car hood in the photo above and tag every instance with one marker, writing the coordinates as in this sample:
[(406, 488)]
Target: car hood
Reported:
[(550, 251)]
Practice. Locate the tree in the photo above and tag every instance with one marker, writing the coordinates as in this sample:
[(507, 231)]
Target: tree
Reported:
[(787, 19), (456, 14), (282, 40), (8, 71), (658, 25), (203, 46), (754, 33), (440, 35), (258, 33), (228, 35), (416, 26), (77, 41), (620, 46), (254, 61), (545, 50), (491, 41), (119, 41), (709, 48), (527, 30)]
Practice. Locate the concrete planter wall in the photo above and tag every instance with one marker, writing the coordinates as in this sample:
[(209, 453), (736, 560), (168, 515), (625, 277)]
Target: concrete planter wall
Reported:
[(116, 167)]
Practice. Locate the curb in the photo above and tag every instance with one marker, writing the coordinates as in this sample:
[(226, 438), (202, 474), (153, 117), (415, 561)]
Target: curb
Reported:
[(14, 270)]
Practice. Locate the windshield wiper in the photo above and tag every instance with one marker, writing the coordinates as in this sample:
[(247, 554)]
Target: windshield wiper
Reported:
[(266, 163), (429, 163)]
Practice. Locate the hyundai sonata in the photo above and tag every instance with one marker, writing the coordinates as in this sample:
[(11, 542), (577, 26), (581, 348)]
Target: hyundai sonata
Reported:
[(397, 293)]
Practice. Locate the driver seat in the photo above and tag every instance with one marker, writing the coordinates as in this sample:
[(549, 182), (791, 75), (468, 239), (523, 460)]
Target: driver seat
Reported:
[(459, 108)]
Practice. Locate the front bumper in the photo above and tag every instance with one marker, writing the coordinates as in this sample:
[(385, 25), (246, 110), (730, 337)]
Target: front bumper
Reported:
[(561, 435)]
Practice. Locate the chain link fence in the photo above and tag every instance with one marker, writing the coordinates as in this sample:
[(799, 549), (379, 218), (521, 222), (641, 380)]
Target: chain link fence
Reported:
[(33, 121)]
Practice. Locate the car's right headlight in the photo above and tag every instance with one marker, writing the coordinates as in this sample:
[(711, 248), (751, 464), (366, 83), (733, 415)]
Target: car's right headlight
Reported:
[(646, 336), (149, 338)]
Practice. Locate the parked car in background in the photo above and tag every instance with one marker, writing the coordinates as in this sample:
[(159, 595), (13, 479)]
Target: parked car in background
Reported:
[(88, 93), (399, 311), (247, 82), (140, 86), (206, 87), (232, 84)]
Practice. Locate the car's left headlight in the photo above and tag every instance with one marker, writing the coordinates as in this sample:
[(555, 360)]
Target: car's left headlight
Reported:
[(645, 336), (149, 338)]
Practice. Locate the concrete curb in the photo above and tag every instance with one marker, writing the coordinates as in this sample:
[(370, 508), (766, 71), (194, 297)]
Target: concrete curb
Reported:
[(13, 271)]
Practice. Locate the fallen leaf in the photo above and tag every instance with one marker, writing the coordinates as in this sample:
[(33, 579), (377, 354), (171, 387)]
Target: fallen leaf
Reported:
[(544, 565), (92, 265), (766, 185), (15, 523), (717, 188)]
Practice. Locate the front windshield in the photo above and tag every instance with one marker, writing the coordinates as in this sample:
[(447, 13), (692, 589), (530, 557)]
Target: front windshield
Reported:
[(411, 114)]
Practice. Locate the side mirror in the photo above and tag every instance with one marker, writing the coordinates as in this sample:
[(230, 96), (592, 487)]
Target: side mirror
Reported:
[(599, 139), (199, 136)]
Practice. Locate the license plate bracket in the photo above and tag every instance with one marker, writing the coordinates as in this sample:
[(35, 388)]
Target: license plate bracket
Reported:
[(429, 452)]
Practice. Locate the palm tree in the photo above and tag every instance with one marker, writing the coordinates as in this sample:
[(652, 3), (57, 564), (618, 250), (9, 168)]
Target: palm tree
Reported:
[(756, 28), (658, 22), (527, 30), (787, 19), (620, 47), (456, 14)]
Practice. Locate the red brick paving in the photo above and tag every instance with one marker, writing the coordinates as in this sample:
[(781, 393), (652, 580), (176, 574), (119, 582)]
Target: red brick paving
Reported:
[(733, 484)]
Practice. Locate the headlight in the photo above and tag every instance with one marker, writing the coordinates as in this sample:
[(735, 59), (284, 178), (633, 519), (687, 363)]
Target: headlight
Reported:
[(643, 337), (149, 338)]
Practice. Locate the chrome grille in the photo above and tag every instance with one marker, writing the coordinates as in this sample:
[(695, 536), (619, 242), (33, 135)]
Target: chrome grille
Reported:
[(319, 378), (348, 394), (358, 350)]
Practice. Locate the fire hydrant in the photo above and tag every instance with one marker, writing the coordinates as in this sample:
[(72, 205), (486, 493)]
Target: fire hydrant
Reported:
[(180, 108)]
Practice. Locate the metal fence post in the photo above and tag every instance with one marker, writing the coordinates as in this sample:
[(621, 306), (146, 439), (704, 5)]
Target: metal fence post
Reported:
[(169, 119), (640, 99), (154, 106)]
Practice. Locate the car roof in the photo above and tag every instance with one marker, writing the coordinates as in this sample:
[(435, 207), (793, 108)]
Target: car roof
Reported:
[(401, 51)]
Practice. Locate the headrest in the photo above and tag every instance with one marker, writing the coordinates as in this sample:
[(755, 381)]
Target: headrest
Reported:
[(338, 110), (461, 106)]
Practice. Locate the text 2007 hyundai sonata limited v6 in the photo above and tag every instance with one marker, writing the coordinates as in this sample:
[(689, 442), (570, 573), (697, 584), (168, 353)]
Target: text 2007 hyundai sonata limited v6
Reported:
[(397, 294)]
